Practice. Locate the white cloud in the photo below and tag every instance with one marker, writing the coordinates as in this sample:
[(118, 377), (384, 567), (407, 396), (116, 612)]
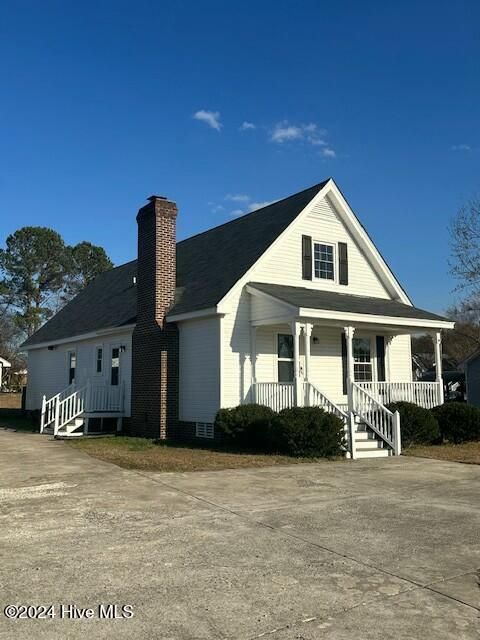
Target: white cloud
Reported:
[(212, 118), (216, 208), (283, 132), (247, 125), (310, 133), (253, 206), (237, 197), (461, 147), (328, 153)]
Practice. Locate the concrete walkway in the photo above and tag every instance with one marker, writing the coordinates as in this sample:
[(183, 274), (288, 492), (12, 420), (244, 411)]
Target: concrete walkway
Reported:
[(383, 549)]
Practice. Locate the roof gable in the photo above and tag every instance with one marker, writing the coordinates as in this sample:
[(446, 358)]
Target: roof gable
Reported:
[(279, 263)]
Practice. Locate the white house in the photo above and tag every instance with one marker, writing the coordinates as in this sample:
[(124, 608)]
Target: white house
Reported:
[(289, 305)]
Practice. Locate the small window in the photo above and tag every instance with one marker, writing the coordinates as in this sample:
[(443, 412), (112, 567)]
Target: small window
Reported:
[(285, 357), (72, 365), (99, 360), (115, 368), (204, 430), (323, 261), (362, 360)]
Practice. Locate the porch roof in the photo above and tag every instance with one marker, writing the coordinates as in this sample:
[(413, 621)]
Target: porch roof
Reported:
[(309, 300)]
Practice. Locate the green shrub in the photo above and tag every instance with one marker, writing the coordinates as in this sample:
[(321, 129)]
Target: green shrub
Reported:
[(248, 425), (307, 431), (458, 422), (417, 425)]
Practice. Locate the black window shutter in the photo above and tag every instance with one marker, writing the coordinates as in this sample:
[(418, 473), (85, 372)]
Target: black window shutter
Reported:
[(342, 263), (306, 257), (381, 358), (344, 364)]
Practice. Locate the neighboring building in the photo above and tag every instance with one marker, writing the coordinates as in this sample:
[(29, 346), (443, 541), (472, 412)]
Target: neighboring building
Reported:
[(471, 367), (5, 366), (289, 305)]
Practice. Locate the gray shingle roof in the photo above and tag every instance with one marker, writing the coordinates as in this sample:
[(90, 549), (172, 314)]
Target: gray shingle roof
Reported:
[(344, 302), (208, 265)]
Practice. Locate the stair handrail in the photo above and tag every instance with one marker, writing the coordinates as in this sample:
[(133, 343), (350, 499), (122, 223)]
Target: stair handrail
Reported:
[(325, 401), (320, 399), (70, 408), (381, 420), (49, 407)]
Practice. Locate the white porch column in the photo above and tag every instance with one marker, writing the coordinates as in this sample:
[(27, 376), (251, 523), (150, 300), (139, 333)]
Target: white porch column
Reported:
[(307, 333), (253, 363), (349, 332), (297, 387), (437, 343)]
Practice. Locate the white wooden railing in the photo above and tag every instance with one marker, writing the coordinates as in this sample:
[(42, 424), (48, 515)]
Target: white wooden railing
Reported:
[(315, 398), (70, 408), (385, 423), (103, 398), (71, 403), (276, 395), (425, 394)]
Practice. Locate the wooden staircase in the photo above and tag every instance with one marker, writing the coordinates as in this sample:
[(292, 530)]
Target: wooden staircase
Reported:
[(67, 413)]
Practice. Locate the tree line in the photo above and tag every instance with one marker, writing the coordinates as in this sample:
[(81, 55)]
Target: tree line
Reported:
[(39, 273)]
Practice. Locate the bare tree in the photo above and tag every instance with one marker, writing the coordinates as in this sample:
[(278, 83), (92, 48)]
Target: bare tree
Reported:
[(465, 245)]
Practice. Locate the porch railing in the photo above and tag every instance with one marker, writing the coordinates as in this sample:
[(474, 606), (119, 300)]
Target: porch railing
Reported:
[(425, 394), (71, 403), (380, 419), (276, 395)]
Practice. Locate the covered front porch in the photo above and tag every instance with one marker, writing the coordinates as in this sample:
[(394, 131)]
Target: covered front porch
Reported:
[(351, 363)]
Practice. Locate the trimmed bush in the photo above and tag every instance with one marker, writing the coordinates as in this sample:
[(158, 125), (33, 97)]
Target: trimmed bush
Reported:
[(417, 425), (308, 432), (248, 425), (458, 422)]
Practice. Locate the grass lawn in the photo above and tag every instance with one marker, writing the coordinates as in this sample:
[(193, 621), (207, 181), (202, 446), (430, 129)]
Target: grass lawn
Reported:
[(466, 452), (18, 423), (139, 453)]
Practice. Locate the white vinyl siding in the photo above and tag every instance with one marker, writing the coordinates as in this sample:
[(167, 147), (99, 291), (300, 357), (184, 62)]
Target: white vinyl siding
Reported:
[(199, 384), (48, 369), (399, 359), (283, 263), (236, 370)]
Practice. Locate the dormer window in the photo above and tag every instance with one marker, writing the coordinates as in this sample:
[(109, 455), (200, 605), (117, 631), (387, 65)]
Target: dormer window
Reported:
[(324, 261)]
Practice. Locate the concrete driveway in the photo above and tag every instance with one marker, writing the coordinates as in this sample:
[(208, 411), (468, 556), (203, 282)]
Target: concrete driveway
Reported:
[(369, 549)]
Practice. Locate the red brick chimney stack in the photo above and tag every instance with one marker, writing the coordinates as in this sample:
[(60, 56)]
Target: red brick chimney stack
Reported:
[(155, 341)]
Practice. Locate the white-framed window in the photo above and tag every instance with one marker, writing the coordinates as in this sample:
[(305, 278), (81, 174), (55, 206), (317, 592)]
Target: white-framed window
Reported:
[(98, 360), (204, 430), (324, 261), (362, 360), (285, 365), (71, 366)]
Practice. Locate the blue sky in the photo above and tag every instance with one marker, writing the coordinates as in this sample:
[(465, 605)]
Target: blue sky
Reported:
[(97, 105)]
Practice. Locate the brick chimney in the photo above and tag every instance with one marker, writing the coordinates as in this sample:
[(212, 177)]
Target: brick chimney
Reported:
[(155, 341)]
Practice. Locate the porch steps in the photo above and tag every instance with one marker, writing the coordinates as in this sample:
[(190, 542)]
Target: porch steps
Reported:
[(70, 429), (367, 445)]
